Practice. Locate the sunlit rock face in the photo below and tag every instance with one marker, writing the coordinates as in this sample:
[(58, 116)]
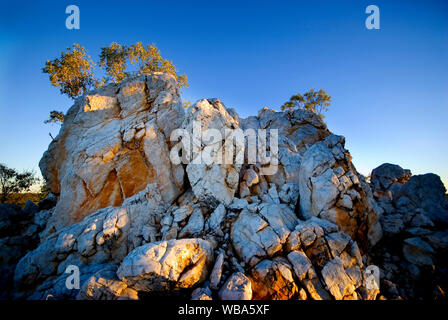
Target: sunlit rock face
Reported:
[(167, 265), (113, 143), (212, 183)]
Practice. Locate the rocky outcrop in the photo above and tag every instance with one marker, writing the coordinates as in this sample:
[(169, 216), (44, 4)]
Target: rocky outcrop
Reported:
[(389, 176), (144, 207), (412, 253), (19, 233), (106, 236), (331, 189), (315, 173), (112, 144)]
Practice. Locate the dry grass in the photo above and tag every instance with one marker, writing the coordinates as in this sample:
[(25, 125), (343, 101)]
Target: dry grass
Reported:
[(21, 198)]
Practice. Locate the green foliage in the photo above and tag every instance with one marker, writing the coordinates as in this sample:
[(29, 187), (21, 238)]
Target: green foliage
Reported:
[(113, 59), (12, 181), (316, 101), (55, 117), (187, 104), (100, 83), (149, 60), (72, 72)]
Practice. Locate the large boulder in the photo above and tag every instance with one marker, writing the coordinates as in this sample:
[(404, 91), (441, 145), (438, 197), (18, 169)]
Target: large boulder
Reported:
[(426, 192), (114, 142), (167, 265), (213, 179), (387, 174)]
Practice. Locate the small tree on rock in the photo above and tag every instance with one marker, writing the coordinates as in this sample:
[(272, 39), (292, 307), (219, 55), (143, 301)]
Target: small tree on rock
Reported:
[(316, 101), (72, 72), (55, 117), (187, 104), (149, 60), (113, 59)]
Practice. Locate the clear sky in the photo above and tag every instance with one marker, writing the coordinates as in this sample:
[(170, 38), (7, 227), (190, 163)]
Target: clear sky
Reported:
[(389, 86)]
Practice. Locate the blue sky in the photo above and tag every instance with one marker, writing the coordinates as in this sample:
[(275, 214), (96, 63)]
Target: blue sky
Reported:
[(389, 86)]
